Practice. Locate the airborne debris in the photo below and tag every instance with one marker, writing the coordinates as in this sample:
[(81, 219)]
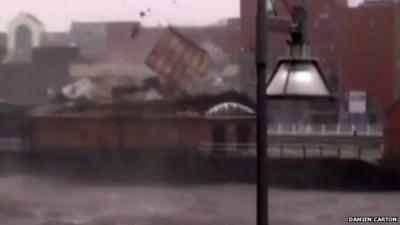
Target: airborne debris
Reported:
[(142, 14), (185, 58)]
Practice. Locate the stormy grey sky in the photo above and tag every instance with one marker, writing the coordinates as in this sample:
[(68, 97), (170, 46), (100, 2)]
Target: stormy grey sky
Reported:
[(58, 14)]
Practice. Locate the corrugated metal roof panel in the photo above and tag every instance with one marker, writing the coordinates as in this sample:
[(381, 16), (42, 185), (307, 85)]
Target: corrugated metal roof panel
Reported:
[(176, 58)]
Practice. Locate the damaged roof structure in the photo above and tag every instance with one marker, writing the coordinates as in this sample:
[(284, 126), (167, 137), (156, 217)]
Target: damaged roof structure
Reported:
[(107, 55), (226, 104), (180, 62)]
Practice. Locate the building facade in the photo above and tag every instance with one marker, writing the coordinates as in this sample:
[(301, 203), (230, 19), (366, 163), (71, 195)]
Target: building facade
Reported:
[(356, 47)]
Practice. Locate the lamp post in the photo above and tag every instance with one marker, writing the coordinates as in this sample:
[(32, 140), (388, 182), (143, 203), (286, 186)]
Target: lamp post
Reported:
[(261, 66), (297, 76)]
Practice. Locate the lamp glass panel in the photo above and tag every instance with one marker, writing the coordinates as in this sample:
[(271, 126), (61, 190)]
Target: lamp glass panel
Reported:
[(305, 79), (277, 85)]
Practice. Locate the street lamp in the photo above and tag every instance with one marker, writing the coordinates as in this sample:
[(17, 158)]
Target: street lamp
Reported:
[(297, 76)]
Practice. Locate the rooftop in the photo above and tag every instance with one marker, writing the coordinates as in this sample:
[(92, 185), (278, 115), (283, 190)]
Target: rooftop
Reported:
[(181, 108)]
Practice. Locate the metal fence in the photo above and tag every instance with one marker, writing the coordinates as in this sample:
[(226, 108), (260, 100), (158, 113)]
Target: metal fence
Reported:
[(338, 151), (325, 129), (13, 144)]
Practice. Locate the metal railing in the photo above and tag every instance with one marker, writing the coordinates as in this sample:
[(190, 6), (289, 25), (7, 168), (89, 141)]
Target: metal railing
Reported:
[(227, 147), (325, 129), (12, 144), (339, 151)]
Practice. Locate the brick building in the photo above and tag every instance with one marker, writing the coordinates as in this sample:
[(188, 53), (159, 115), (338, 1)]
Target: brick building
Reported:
[(187, 124), (356, 48), (366, 50), (396, 49)]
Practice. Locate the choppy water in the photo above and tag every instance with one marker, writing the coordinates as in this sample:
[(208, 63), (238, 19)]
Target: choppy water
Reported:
[(38, 200), (28, 199)]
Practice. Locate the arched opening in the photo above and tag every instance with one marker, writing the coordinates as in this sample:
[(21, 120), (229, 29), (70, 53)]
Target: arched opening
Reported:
[(231, 113), (229, 109), (23, 44)]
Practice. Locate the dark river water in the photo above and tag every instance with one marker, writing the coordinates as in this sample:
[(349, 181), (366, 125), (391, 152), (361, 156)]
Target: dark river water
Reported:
[(32, 199)]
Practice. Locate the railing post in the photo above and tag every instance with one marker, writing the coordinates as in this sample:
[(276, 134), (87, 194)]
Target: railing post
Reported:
[(368, 129), (320, 151), (338, 129), (308, 128), (294, 128), (279, 128)]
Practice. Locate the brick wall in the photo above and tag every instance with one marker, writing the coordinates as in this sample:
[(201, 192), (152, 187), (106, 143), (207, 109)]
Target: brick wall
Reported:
[(96, 134)]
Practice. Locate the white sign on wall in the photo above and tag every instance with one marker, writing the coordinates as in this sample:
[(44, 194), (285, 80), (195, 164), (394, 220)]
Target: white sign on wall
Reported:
[(357, 102)]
